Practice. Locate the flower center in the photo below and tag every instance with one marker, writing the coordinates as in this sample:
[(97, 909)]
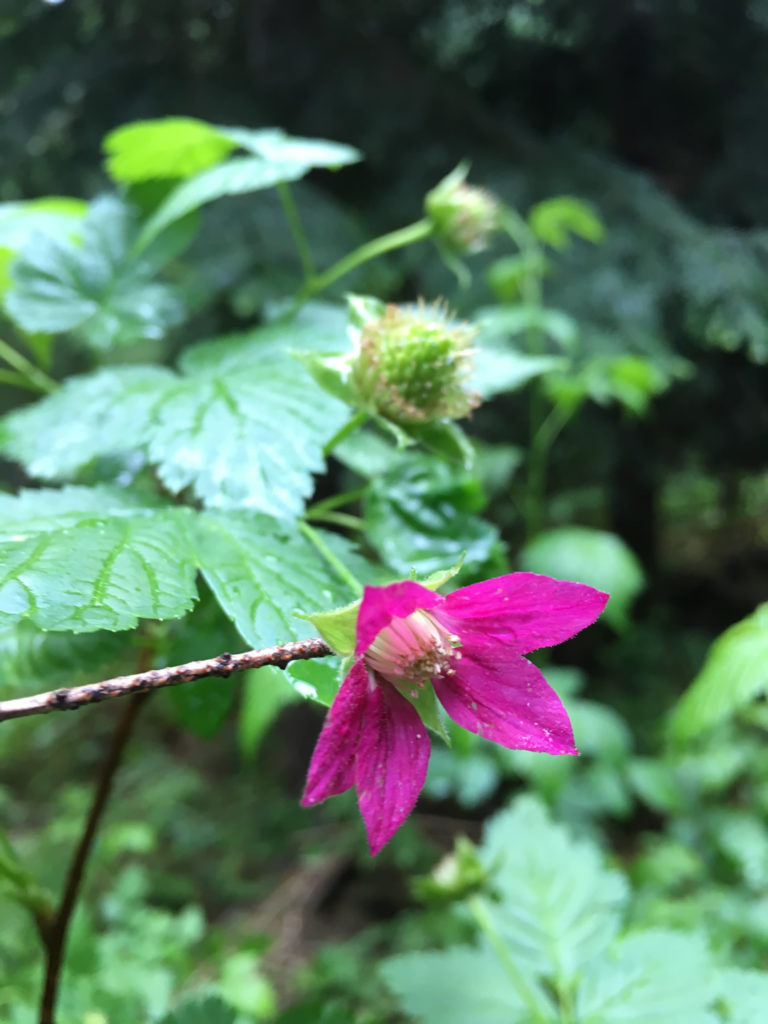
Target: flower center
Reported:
[(413, 650)]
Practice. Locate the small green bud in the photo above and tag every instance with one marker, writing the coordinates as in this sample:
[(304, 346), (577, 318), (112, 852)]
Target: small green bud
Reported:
[(412, 365), (458, 875), (464, 217)]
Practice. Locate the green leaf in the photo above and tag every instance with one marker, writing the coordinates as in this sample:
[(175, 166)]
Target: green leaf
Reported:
[(653, 977), (245, 439), (203, 1011), (264, 573), (331, 372), (338, 627), (554, 220), (745, 993), (168, 147), (559, 905), (95, 289), (234, 177), (275, 145), (498, 323), (244, 429), (84, 559), (454, 987), (421, 516), (734, 674), (104, 413), (590, 556), (56, 217)]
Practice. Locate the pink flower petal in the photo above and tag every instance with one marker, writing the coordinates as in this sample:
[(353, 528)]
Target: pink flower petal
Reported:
[(332, 768), (382, 604), (391, 763), (526, 610), (506, 699)]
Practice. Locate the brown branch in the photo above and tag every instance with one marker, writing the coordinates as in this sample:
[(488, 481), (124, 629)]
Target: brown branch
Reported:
[(223, 665), (55, 934)]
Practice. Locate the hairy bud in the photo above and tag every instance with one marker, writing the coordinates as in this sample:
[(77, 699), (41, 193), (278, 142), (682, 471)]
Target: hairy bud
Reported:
[(464, 217), (412, 365)]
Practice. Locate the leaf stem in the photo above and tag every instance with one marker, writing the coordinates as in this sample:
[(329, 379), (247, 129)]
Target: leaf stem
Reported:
[(532, 997), (36, 379), (350, 522), (335, 501), (355, 421), (335, 563), (408, 235), (296, 229)]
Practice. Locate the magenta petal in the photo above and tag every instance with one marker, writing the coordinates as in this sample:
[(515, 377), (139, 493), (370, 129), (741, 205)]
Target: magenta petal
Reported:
[(332, 768), (529, 611), (391, 763), (382, 604), (506, 699)]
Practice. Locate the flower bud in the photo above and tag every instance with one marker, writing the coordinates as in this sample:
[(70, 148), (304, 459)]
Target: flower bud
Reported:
[(412, 365), (463, 216)]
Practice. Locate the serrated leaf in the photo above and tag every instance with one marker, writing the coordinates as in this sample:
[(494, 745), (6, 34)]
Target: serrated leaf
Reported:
[(263, 571), (734, 674), (596, 557), (559, 905), (454, 986), (95, 289), (653, 977), (83, 559), (203, 1011), (234, 177), (168, 147), (421, 516), (54, 216), (245, 439), (247, 435), (106, 412)]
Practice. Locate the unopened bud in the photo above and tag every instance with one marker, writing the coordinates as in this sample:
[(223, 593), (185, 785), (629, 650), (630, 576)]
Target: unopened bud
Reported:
[(464, 217), (412, 365), (458, 875)]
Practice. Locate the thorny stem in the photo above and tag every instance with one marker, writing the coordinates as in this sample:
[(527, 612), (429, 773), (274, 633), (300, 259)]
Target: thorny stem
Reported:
[(36, 379), (408, 235), (335, 563), (355, 421), (55, 936), (297, 231), (533, 998)]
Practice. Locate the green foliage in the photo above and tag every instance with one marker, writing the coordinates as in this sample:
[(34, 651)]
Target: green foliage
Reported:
[(97, 289), (19, 222), (595, 557), (554, 220), (735, 672), (422, 515), (84, 559), (169, 147)]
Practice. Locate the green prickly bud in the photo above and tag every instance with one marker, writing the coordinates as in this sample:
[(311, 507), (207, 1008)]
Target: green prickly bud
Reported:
[(463, 216), (412, 365)]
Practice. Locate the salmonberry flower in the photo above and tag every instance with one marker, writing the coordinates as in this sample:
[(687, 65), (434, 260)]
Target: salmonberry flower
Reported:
[(465, 648)]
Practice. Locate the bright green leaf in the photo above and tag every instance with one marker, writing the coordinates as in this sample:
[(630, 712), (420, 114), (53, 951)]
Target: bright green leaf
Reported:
[(204, 1011), (745, 993), (596, 557), (274, 145), (168, 147), (554, 220), (734, 674)]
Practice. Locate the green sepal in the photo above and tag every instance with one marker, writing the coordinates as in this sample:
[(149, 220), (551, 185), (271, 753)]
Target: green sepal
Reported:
[(337, 627), (331, 371), (445, 439), (428, 707), (363, 308), (436, 579)]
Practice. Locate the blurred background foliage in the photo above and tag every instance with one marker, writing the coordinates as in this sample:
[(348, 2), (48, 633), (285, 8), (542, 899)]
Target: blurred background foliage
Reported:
[(209, 882)]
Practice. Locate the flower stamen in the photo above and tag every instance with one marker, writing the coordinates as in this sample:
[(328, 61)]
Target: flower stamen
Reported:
[(412, 650)]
